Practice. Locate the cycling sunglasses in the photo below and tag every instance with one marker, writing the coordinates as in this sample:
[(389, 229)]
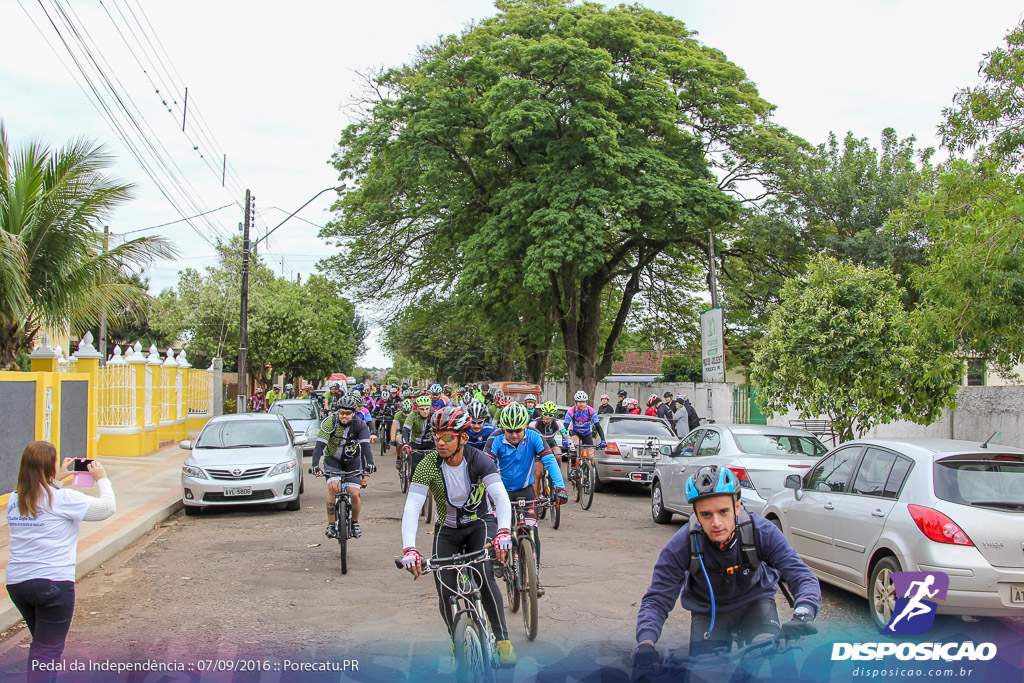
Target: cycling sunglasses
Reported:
[(477, 422), (515, 431), (346, 413), (447, 438)]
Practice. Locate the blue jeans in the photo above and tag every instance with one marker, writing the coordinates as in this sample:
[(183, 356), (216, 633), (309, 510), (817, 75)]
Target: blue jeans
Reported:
[(47, 607)]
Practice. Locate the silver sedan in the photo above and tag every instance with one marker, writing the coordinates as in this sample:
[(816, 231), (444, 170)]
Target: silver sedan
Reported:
[(760, 456), (304, 417), (627, 455), (243, 458), (873, 507)]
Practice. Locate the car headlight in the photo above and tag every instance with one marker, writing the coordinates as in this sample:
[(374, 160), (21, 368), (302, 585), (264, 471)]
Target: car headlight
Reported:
[(193, 472), (283, 468)]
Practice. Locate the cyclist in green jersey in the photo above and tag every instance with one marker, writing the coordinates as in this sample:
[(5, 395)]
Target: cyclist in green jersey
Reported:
[(405, 409), (416, 431)]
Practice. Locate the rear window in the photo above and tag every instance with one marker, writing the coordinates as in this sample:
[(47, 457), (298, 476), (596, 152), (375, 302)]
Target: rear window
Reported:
[(294, 411), (242, 433), (985, 483), (640, 428), (780, 444)]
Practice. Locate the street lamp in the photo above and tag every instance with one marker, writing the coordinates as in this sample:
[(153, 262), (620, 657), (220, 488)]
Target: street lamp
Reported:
[(243, 327)]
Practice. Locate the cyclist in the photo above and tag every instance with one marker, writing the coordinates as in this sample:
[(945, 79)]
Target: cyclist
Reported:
[(256, 403), (620, 407), (632, 406), (273, 395), (582, 420), (438, 399), (416, 432), (404, 410), (665, 411), (515, 450), (344, 444), (480, 428), (500, 402), (458, 475), (605, 408), (549, 427), (652, 405), (531, 406), (725, 563)]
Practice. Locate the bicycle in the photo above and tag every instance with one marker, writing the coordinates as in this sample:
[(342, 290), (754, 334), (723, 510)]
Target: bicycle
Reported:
[(547, 491), (520, 568), (342, 511), (476, 654), (726, 664), (405, 472), (583, 476), (383, 435)]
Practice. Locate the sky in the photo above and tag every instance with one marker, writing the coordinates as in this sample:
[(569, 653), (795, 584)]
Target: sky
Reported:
[(271, 86)]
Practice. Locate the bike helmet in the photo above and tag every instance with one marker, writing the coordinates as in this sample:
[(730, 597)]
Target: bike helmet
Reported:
[(287, 386), (422, 401), (621, 393), (405, 385), (652, 399), (711, 480), (485, 388), (355, 393), (604, 396), (549, 409), (478, 411), (435, 389), (259, 390), (406, 406), (632, 402), (359, 387), (580, 396), (348, 403), (502, 400), (450, 419), (514, 416), (530, 397)]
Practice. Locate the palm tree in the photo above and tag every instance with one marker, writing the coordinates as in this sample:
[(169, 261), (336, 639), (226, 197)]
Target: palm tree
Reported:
[(53, 268)]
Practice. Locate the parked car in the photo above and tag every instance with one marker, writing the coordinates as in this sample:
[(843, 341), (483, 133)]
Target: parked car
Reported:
[(760, 456), (626, 451), (303, 416), (243, 458), (872, 507)]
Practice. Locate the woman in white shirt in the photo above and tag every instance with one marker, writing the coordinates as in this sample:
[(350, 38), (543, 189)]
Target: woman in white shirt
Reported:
[(43, 520)]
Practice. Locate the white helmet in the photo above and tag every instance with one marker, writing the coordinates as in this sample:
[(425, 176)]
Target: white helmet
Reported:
[(580, 396)]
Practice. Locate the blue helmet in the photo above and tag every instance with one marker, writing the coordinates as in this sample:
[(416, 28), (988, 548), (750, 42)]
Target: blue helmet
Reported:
[(709, 481), (435, 389), (359, 387)]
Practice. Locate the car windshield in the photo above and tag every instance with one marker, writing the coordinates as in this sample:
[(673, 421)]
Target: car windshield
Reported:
[(294, 411), (980, 482), (640, 428), (780, 444), (243, 434)]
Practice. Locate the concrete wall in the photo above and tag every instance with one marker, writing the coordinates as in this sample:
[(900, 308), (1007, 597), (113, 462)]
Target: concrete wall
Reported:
[(712, 400), (981, 411)]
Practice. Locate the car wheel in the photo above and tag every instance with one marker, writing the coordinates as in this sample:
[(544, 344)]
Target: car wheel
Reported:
[(293, 505), (192, 510), (882, 592), (778, 524), (658, 511), (302, 485)]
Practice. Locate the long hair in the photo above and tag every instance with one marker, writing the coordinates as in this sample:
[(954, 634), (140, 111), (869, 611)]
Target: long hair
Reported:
[(38, 463)]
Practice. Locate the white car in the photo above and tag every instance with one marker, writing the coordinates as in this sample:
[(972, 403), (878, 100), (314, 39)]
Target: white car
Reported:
[(243, 458)]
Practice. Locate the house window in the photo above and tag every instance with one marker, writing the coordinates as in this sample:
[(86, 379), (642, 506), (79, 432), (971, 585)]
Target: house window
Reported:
[(975, 372)]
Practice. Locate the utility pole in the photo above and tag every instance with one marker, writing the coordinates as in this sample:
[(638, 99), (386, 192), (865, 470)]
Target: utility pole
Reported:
[(243, 326), (712, 276), (103, 311)]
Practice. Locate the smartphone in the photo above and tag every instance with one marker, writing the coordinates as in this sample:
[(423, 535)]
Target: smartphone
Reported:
[(81, 464)]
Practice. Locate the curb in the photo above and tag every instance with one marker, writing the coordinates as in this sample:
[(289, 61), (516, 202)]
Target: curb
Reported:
[(116, 537)]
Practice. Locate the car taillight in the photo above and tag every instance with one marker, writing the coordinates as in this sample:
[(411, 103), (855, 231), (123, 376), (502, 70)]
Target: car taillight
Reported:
[(1007, 458), (741, 474), (611, 448), (937, 526)]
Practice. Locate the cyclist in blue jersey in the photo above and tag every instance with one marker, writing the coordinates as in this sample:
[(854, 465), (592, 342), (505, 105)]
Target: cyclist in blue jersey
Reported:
[(438, 399), (581, 420), (480, 429), (515, 450)]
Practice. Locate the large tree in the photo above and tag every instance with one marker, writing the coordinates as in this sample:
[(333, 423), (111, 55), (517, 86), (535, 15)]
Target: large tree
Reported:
[(545, 156), (54, 270)]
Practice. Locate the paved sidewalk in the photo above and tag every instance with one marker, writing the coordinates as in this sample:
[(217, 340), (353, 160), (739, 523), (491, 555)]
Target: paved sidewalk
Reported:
[(148, 491)]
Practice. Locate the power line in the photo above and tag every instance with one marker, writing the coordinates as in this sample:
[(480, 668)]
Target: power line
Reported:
[(163, 225)]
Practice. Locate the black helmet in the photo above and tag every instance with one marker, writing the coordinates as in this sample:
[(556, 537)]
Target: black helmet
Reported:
[(347, 403), (621, 393), (485, 388)]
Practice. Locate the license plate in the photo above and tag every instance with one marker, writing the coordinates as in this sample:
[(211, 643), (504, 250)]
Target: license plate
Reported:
[(238, 491), (1017, 593)]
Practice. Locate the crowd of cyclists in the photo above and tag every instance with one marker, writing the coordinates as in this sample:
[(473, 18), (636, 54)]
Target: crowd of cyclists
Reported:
[(477, 452)]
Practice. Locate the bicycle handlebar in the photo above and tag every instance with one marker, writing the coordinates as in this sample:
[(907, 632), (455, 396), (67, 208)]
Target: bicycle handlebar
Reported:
[(435, 563)]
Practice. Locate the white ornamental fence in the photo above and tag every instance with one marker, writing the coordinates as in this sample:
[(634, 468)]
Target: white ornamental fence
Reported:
[(200, 393), (116, 387)]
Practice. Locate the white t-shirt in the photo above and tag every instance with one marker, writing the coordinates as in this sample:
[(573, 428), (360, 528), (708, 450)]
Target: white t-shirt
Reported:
[(456, 480), (45, 547)]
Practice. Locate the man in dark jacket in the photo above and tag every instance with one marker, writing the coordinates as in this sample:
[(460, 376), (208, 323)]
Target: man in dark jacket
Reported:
[(620, 407), (724, 566)]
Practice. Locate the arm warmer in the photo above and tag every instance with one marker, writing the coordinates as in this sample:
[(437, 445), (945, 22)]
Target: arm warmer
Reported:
[(502, 505), (553, 469), (318, 451), (411, 516), (104, 506), (367, 451)]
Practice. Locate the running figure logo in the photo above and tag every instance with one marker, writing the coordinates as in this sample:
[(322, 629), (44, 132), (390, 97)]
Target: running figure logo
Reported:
[(914, 612)]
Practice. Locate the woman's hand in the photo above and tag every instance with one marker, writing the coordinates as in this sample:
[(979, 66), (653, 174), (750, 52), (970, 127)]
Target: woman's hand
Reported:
[(65, 469), (97, 471)]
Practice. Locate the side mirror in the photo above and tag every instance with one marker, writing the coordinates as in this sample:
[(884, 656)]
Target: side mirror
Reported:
[(185, 445), (666, 451), (794, 482), (300, 440)]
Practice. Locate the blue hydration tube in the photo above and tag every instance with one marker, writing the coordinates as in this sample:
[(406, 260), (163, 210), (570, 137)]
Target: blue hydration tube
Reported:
[(711, 591)]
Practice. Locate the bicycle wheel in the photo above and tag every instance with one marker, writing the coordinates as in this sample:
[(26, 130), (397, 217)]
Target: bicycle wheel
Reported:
[(471, 661), (586, 484), (383, 442), (403, 473), (341, 514), (542, 492), (556, 514), (528, 586), (511, 580), (574, 482), (428, 510)]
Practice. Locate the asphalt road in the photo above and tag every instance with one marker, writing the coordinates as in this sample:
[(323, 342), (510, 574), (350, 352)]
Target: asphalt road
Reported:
[(265, 583)]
